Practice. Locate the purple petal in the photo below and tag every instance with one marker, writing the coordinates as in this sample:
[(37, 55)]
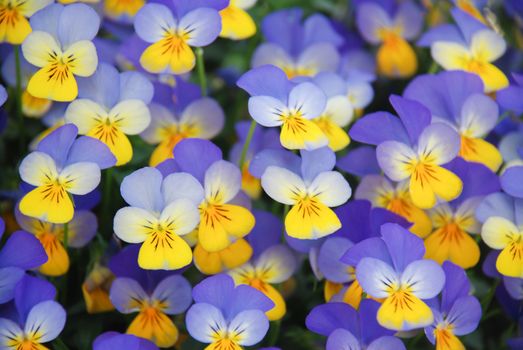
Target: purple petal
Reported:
[(478, 180), (496, 204), (246, 297), (489, 265), (457, 285), (168, 167), (58, 143), (380, 216), (342, 339), (127, 295), (88, 149), (77, 22), (325, 319), (467, 24), (322, 57), (274, 157), (360, 161), (308, 99), (187, 150), (315, 162), (87, 201), (114, 340), (442, 32), (22, 250), (511, 181), (329, 259), (103, 86), (369, 248), (378, 127), (215, 290), (375, 276), (318, 29), (9, 278), (266, 232), (31, 291), (370, 18), (142, 189), (509, 98), (414, 116), (135, 85), (410, 18), (84, 225), (266, 81), (389, 343), (175, 292), (332, 84), (514, 287), (283, 27), (355, 220), (464, 315), (203, 24), (404, 247), (370, 328), (47, 318)]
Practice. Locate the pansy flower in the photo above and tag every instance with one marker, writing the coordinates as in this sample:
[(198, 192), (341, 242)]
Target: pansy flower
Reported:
[(225, 316), (154, 295), (411, 148), (359, 222), (274, 265), (95, 290), (172, 28), (200, 118), (457, 313), (383, 193), (110, 106), (470, 46), (62, 51), (392, 268), (38, 318), (457, 98), (81, 229), (299, 49), (115, 340), (14, 26), (501, 230), (32, 107), (276, 101), (62, 166), (20, 252), (213, 185), (391, 28), (347, 328), (157, 218), (311, 190), (262, 138), (454, 222), (237, 24)]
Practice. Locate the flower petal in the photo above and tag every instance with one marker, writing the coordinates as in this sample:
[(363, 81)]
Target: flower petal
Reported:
[(331, 188), (174, 292), (250, 326), (425, 278), (132, 224), (142, 189), (308, 100), (132, 116), (151, 22), (37, 168), (45, 321), (375, 276), (203, 25), (393, 158), (127, 295), (204, 321), (222, 182), (282, 185)]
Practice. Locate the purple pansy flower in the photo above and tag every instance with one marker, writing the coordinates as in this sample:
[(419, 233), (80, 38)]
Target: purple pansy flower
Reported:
[(114, 340)]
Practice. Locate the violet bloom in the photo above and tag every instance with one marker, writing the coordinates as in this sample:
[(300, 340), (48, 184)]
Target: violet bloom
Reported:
[(114, 340), (60, 167), (225, 316), (38, 318), (299, 49), (511, 147), (21, 252), (392, 267), (154, 295), (457, 313), (347, 328)]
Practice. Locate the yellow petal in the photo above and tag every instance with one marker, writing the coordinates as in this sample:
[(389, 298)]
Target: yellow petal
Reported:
[(331, 289), (154, 325), (48, 204), (170, 55), (338, 138), (300, 133), (430, 180), (116, 140), (117, 8), (311, 219), (250, 184), (236, 254), (480, 151), (57, 258), (34, 107), (48, 84), (164, 150), (353, 295), (396, 58), (224, 344), (95, 290), (493, 78), (510, 260), (451, 243), (279, 309), (236, 23), (446, 340), (403, 311), (14, 28), (164, 252), (422, 225)]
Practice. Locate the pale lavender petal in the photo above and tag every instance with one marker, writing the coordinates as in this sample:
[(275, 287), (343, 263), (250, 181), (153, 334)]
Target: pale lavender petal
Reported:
[(467, 24), (329, 259), (31, 291), (175, 292), (325, 319), (424, 278), (370, 248), (135, 86), (414, 116), (496, 204), (252, 325), (274, 157), (308, 99), (84, 225), (114, 340), (342, 339), (58, 143), (319, 29), (9, 278), (442, 32), (404, 247), (77, 22), (370, 18), (203, 26), (88, 149), (127, 295), (464, 315), (188, 150), (511, 181), (102, 87), (266, 81), (142, 189), (47, 319), (315, 162), (203, 320), (410, 18), (389, 343), (375, 277)]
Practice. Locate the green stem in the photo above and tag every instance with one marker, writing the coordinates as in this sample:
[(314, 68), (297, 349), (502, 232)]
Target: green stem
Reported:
[(246, 144), (18, 95), (487, 299), (66, 235), (106, 206), (433, 68), (200, 66), (274, 332)]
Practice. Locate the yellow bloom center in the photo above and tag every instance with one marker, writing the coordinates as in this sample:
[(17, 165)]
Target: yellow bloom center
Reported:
[(296, 71), (117, 8), (174, 43), (293, 122), (162, 234), (9, 14), (213, 213), (106, 129), (55, 189)]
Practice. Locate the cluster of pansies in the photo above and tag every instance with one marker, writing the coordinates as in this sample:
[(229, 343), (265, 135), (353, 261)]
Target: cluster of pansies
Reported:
[(234, 174)]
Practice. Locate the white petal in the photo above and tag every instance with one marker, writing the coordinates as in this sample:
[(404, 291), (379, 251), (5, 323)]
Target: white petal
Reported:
[(222, 181), (37, 168), (487, 45), (132, 116), (132, 225), (182, 185), (85, 114), (331, 188), (266, 110), (81, 178), (282, 185), (183, 214)]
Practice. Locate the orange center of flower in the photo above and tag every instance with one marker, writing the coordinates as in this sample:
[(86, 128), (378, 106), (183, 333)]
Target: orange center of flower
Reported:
[(8, 15)]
